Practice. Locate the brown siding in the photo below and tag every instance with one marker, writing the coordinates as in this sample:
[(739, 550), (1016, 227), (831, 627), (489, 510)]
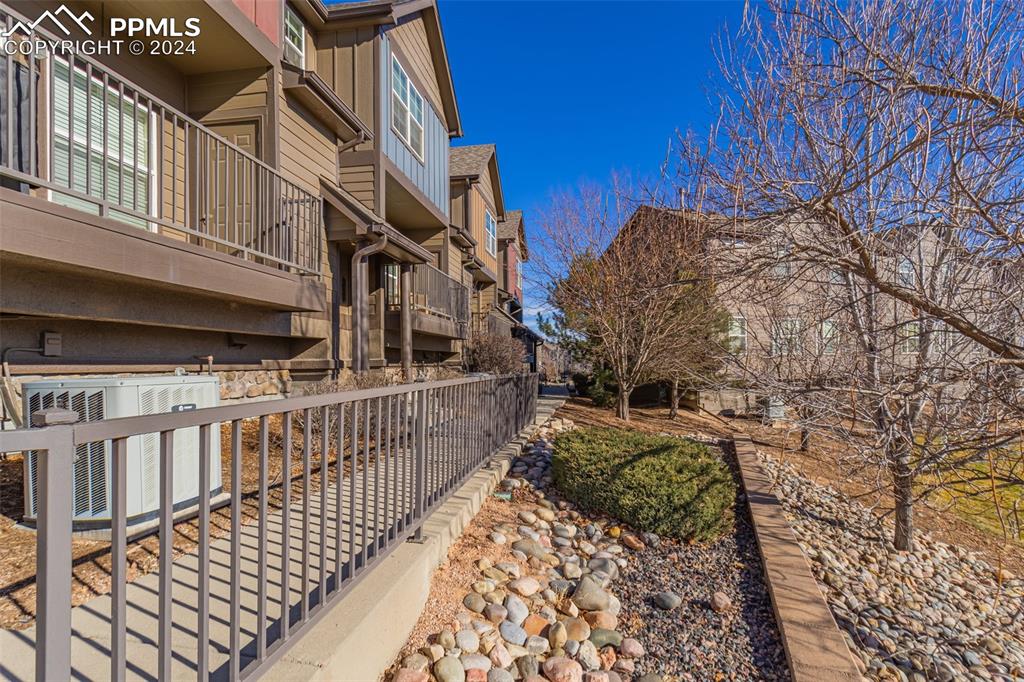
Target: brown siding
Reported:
[(345, 60), (222, 94), (308, 149), (477, 210), (359, 180), (411, 38)]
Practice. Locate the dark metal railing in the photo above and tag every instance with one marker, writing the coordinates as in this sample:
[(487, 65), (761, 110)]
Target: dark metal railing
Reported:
[(372, 464), (100, 143), (433, 292)]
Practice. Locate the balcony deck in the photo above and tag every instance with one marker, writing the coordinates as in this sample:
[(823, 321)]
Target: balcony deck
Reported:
[(81, 135), (440, 304)]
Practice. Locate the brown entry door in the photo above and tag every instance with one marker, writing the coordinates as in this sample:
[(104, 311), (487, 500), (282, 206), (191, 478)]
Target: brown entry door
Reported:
[(233, 186)]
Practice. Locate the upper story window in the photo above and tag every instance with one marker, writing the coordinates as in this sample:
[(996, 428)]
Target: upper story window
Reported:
[(102, 146), (787, 336), (294, 38), (906, 274), (829, 337), (909, 337), (783, 265), (490, 233), (519, 274), (406, 109), (738, 334)]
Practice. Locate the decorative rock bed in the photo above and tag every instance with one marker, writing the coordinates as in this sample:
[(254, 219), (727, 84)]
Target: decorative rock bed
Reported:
[(554, 612), (716, 622), (937, 613)]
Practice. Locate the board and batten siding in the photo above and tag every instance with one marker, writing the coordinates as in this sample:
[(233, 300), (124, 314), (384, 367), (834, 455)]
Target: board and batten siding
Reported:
[(431, 174)]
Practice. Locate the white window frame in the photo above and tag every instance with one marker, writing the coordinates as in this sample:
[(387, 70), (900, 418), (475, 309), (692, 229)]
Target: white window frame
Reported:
[(117, 211), (519, 275), (787, 337), (783, 266), (828, 337), (292, 17), (909, 343), (392, 284), (407, 99), (737, 334), (490, 233), (906, 275)]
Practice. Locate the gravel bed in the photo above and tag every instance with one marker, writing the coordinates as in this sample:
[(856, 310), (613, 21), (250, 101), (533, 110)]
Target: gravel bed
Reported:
[(694, 641), (937, 613), (568, 597)]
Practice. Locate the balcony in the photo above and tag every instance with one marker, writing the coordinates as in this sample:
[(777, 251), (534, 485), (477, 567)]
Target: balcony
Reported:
[(74, 133), (440, 304)]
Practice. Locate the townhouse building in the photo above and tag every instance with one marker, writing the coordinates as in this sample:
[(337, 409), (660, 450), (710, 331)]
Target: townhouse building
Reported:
[(276, 205), (791, 306)]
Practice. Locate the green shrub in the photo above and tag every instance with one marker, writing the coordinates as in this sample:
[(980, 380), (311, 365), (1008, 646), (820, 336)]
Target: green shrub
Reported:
[(581, 382), (665, 485), (603, 390)]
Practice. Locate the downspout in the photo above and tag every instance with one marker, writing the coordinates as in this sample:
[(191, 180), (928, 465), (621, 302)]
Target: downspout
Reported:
[(354, 142), (361, 303)]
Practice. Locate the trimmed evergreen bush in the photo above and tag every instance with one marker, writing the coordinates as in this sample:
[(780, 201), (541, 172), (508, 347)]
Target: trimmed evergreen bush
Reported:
[(661, 484)]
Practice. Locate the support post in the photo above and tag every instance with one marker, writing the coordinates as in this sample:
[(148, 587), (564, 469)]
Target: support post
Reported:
[(420, 441), (406, 315), (53, 546)]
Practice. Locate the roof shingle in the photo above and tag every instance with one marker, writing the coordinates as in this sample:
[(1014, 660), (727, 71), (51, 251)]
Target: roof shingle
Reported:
[(512, 227), (469, 159)]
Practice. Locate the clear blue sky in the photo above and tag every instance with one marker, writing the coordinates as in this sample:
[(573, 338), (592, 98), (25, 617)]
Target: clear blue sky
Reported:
[(572, 91), (575, 90)]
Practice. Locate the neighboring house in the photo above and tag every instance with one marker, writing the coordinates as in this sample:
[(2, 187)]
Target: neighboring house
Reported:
[(478, 207), (253, 210), (790, 315)]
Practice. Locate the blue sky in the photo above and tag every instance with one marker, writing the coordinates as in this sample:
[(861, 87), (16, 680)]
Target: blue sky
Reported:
[(573, 91)]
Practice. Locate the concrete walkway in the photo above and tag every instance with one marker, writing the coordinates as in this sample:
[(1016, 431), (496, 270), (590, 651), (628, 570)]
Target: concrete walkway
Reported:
[(90, 652)]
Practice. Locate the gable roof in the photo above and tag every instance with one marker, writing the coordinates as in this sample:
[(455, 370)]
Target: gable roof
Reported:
[(513, 227), (473, 160), (469, 160), (388, 13)]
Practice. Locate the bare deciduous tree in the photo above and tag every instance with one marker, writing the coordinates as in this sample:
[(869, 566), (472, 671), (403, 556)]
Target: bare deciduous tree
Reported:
[(620, 284), (867, 170)]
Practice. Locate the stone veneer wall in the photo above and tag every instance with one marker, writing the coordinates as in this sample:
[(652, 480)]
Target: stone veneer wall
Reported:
[(254, 384)]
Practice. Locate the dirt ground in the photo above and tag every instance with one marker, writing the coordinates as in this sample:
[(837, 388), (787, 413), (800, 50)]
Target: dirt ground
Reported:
[(819, 464), (91, 559)]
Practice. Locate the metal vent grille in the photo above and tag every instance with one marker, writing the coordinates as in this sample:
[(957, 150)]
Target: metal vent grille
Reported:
[(89, 473)]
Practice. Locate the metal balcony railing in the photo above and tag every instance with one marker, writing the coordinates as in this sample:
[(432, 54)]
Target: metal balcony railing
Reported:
[(433, 292), (332, 484), (95, 141)]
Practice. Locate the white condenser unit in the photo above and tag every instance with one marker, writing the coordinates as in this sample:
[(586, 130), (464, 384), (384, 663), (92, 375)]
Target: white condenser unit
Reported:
[(111, 397)]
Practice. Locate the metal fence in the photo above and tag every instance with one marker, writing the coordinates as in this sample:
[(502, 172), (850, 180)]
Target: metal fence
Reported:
[(100, 143), (398, 452)]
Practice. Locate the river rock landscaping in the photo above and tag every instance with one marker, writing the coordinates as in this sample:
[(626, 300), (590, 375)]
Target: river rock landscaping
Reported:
[(566, 600), (937, 613)]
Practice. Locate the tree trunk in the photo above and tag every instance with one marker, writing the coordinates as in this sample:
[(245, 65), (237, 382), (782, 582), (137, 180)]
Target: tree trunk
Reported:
[(673, 400), (622, 404), (903, 492)]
